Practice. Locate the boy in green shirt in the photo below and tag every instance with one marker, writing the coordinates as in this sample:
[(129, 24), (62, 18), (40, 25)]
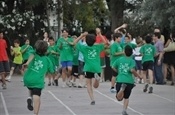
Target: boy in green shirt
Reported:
[(38, 65), (17, 61), (92, 67), (26, 51), (52, 53), (125, 67), (66, 55), (148, 51), (116, 52)]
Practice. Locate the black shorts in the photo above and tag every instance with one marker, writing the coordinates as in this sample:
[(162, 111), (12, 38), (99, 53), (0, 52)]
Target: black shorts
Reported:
[(17, 66), (35, 91), (114, 73), (148, 65), (90, 75), (75, 70), (4, 67), (127, 91), (80, 68)]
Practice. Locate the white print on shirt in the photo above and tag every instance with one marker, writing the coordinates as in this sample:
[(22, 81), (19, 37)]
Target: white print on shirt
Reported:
[(124, 67), (38, 64), (148, 51), (92, 54)]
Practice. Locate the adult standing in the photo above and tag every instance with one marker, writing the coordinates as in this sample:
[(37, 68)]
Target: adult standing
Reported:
[(169, 59), (158, 58), (4, 61)]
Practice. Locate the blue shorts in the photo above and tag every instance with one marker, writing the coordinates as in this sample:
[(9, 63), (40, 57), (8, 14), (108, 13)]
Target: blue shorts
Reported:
[(66, 64)]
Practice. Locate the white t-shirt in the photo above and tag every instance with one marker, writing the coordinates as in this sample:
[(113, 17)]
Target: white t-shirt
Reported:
[(136, 53)]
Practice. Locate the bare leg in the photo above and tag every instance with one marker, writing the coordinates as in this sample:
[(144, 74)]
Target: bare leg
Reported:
[(102, 75), (172, 74), (165, 72), (151, 78), (11, 73), (89, 88), (36, 101), (95, 83), (144, 76)]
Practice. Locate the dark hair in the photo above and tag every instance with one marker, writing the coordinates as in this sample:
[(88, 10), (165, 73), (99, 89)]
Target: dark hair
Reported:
[(17, 41), (148, 39), (65, 29), (41, 47), (123, 31), (90, 39), (25, 39), (51, 38), (157, 34), (116, 35), (128, 51)]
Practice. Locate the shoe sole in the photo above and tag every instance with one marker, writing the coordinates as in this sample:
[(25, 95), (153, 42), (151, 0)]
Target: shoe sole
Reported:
[(145, 88), (29, 104)]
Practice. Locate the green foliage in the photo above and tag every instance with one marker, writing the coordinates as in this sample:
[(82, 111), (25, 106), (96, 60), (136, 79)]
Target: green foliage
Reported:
[(88, 15)]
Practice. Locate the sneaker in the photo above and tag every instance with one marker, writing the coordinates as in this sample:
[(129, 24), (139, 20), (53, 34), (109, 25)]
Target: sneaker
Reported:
[(8, 79), (29, 104), (69, 84), (4, 86), (172, 83), (49, 84), (150, 90), (145, 88), (112, 90), (80, 86), (74, 84), (124, 113), (93, 103), (97, 77), (56, 82)]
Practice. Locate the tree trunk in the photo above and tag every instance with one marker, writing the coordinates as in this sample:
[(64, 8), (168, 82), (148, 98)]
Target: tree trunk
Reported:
[(116, 9), (48, 15), (60, 17)]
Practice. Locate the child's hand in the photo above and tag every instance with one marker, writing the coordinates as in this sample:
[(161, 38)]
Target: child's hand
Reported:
[(24, 66), (124, 26)]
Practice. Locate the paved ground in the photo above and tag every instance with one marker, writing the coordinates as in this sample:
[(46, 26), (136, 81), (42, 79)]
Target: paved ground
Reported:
[(74, 101)]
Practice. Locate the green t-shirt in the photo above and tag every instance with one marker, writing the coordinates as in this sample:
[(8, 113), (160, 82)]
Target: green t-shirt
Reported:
[(75, 56), (27, 52), (115, 48), (53, 57), (35, 73), (91, 57), (124, 66), (148, 52), (66, 51), (17, 55)]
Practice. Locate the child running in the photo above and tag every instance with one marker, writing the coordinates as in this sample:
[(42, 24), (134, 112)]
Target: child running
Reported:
[(26, 51), (92, 67), (52, 54), (17, 61), (38, 65), (125, 67), (148, 51)]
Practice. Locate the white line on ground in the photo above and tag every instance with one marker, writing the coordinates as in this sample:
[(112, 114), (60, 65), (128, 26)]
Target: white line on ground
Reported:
[(4, 104), (164, 98), (62, 103), (118, 102)]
